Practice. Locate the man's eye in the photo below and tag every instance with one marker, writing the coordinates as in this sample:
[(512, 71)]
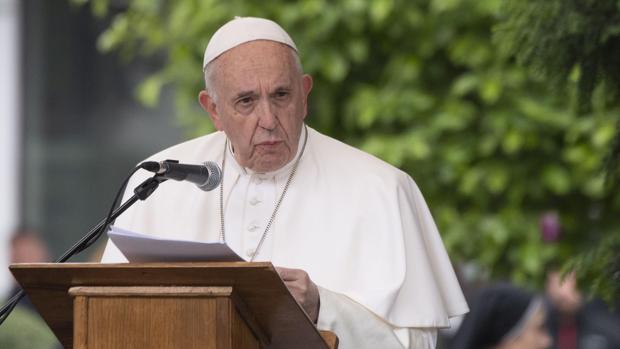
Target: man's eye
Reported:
[(281, 94), (245, 101), (244, 104)]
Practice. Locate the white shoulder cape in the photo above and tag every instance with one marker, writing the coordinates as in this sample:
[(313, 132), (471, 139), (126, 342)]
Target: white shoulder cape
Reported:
[(357, 225)]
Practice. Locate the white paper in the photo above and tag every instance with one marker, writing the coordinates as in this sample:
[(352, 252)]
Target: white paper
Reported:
[(139, 248)]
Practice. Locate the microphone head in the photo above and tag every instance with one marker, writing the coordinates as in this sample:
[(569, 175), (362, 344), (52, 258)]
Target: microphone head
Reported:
[(215, 176), (151, 166)]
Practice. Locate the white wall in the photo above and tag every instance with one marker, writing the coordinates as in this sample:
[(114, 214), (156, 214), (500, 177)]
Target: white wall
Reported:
[(9, 131)]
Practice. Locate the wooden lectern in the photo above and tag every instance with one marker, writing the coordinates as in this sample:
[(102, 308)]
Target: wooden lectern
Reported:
[(169, 305)]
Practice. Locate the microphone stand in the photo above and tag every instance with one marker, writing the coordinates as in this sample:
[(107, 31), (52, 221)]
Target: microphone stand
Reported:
[(141, 192)]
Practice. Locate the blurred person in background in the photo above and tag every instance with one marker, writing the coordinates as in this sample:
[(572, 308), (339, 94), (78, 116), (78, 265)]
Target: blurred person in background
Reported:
[(27, 247), (576, 323), (25, 328), (503, 317)]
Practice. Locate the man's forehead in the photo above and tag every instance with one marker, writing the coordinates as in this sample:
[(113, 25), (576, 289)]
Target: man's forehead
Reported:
[(256, 53), (242, 71)]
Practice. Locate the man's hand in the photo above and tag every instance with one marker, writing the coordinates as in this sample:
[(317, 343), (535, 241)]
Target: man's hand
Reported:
[(303, 289)]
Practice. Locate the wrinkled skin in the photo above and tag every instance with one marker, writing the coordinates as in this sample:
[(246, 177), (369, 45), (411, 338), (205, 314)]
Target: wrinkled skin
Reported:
[(261, 103), (303, 289)]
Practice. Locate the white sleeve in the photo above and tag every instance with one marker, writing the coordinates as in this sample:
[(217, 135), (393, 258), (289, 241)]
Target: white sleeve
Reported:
[(357, 327)]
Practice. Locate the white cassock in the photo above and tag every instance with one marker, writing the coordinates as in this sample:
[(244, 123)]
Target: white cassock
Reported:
[(358, 226)]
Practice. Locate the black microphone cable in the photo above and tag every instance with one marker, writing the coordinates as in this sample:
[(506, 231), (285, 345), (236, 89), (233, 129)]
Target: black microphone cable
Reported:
[(78, 247)]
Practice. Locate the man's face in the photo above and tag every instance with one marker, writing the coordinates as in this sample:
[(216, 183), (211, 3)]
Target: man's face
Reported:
[(261, 102)]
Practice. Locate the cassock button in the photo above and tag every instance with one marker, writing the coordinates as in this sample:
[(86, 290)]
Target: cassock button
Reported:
[(254, 201), (249, 252), (253, 227)]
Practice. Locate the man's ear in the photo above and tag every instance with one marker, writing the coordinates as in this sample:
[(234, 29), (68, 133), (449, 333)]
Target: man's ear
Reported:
[(208, 104), (306, 84)]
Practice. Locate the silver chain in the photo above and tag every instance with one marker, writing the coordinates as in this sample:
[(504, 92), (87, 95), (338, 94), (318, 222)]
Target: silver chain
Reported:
[(275, 210)]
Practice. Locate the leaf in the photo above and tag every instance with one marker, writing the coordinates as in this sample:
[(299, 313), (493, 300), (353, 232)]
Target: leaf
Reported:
[(149, 90), (380, 9), (513, 141), (556, 179), (465, 84), (335, 67)]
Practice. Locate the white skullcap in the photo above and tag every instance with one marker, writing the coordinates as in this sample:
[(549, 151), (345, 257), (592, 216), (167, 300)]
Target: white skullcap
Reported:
[(241, 30)]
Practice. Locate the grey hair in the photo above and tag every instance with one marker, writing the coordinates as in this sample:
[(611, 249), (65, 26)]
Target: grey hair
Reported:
[(211, 68), (209, 73)]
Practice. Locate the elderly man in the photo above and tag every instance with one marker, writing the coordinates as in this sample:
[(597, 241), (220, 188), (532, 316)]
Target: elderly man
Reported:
[(351, 235)]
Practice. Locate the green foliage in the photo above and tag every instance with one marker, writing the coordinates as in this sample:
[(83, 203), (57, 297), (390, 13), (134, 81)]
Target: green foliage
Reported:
[(565, 41), (555, 37), (421, 85), (575, 45), (604, 259)]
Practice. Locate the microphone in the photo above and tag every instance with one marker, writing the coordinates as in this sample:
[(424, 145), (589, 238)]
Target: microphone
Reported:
[(206, 176)]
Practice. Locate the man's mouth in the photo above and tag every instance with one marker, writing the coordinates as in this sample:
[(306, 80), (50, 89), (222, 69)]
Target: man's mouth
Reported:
[(269, 143)]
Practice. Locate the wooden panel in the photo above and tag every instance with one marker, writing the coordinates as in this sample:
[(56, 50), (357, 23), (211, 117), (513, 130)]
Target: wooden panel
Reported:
[(330, 338), (151, 322), (251, 321), (238, 334), (244, 339), (268, 301), (80, 316), (156, 316), (223, 329), (156, 291)]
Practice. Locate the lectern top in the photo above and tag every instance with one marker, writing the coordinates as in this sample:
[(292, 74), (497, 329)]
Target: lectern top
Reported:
[(257, 285)]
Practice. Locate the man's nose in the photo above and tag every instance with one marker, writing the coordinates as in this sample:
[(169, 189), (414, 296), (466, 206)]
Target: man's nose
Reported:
[(266, 115)]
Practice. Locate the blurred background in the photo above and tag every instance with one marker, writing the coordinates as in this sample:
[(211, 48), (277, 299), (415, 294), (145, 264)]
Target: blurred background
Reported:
[(505, 113), (72, 129)]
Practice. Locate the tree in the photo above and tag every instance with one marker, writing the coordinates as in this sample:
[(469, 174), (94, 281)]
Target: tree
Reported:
[(575, 45), (421, 85)]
